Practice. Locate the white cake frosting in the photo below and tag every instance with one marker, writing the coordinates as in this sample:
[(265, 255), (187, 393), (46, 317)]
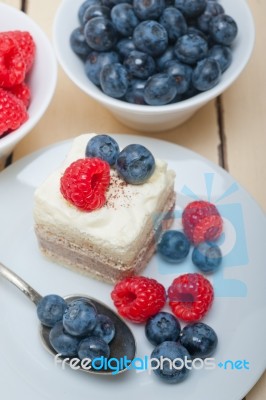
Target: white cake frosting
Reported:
[(120, 221)]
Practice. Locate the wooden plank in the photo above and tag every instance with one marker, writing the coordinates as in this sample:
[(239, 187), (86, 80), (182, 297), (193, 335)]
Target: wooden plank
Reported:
[(259, 390), (13, 3), (245, 118), (66, 118)]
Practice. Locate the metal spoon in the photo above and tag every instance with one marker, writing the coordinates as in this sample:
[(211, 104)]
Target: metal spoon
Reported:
[(123, 346)]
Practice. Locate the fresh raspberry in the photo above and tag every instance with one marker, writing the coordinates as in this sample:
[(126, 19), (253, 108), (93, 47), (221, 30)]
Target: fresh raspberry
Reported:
[(137, 298), (190, 297), (12, 64), (26, 46), (12, 112), (22, 92), (85, 182), (202, 221)]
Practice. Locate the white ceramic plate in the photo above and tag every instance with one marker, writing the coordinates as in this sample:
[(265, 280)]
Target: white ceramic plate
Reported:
[(238, 313)]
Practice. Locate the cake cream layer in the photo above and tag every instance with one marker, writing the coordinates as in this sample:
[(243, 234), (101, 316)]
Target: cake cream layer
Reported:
[(118, 227)]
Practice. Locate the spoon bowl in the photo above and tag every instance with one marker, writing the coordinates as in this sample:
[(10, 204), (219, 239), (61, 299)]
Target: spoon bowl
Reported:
[(123, 345)]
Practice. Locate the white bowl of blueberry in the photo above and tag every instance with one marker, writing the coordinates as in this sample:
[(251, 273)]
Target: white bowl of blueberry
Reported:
[(153, 64)]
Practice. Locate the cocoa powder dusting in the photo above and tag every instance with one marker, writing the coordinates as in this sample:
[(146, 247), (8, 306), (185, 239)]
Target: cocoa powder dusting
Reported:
[(118, 195)]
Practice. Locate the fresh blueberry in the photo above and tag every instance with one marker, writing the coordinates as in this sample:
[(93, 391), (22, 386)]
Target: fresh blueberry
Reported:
[(199, 339), (114, 80), (222, 54), (104, 147), (167, 56), (124, 18), (78, 43), (206, 74), (95, 63), (93, 347), (82, 9), (160, 89), (105, 328), (212, 10), (148, 10), (125, 46), (181, 73), (172, 372), (162, 327), (191, 48), (112, 3), (191, 92), (140, 65), (135, 163), (62, 342), (174, 22), (191, 8), (150, 37), (96, 10), (207, 257), (173, 246), (223, 29), (80, 317), (135, 92), (50, 309), (100, 34)]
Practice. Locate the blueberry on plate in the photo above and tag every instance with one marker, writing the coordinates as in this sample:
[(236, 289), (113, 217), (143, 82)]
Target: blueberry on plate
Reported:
[(139, 64), (207, 257), (105, 328), (125, 46), (78, 44), (206, 74), (100, 34), (62, 342), (213, 8), (96, 10), (96, 61), (199, 339), (50, 309), (82, 9), (160, 89), (162, 327), (93, 347), (174, 22), (222, 54), (191, 8), (135, 92), (80, 317), (124, 19), (151, 38), (135, 164), (191, 48), (173, 246), (170, 372), (181, 73), (148, 10), (223, 29), (114, 80), (103, 147)]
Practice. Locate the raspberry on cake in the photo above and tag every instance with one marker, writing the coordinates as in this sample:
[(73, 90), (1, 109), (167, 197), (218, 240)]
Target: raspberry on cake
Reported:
[(114, 240)]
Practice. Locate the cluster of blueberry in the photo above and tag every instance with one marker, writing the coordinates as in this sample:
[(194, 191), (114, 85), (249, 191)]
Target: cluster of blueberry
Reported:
[(135, 163), (202, 225), (195, 340), (76, 327), (154, 52)]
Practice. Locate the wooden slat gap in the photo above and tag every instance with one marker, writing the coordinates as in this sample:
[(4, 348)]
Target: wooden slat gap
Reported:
[(222, 146), (24, 6)]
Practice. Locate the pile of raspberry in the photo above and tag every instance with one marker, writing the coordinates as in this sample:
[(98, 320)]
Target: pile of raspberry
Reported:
[(17, 53)]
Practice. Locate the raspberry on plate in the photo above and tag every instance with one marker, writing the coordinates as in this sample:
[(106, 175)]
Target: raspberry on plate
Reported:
[(202, 222), (22, 92), (12, 64), (137, 298), (85, 182), (12, 112), (26, 46), (190, 297)]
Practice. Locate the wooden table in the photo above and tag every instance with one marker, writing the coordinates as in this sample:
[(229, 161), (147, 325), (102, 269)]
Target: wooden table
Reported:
[(230, 131)]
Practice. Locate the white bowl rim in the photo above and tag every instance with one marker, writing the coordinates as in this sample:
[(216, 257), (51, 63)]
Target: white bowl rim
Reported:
[(190, 103), (14, 137)]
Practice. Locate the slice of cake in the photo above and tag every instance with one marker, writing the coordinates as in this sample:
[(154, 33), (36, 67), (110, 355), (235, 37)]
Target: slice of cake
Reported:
[(113, 241)]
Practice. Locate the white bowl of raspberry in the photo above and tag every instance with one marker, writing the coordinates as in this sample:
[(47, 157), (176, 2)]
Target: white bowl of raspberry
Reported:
[(156, 39), (28, 74)]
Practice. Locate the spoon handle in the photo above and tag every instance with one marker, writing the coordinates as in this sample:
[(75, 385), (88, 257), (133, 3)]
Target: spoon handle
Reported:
[(31, 293)]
